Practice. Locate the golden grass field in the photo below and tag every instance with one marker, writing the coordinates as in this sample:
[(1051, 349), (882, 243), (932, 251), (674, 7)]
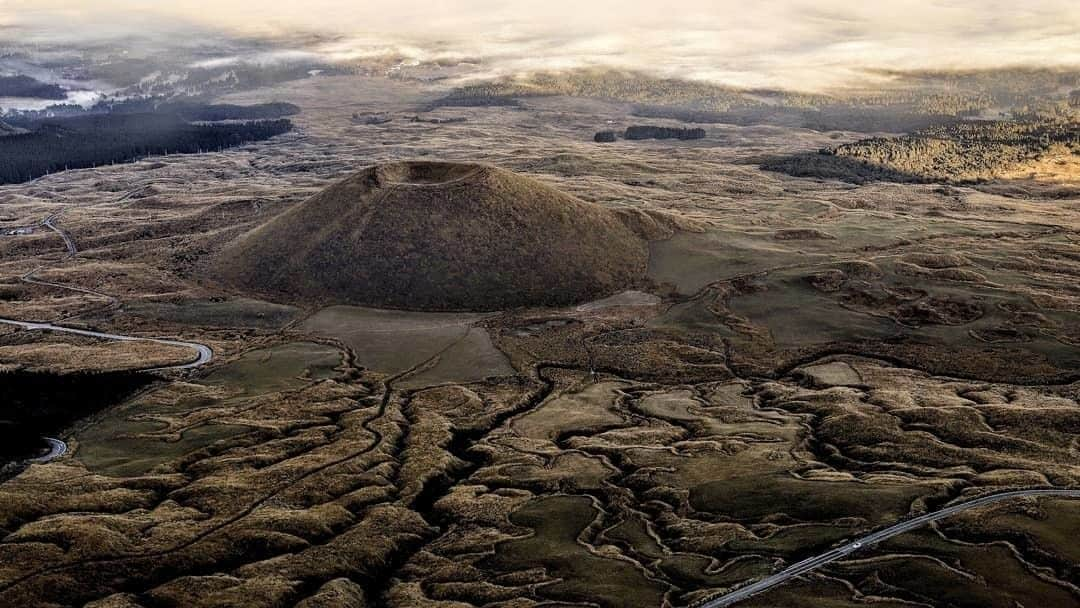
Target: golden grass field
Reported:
[(799, 362)]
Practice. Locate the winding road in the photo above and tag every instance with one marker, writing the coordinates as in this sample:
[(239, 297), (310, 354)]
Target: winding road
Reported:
[(57, 449), (50, 223), (813, 563), (204, 354)]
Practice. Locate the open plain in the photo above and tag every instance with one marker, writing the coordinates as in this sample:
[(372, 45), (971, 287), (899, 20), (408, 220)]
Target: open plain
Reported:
[(763, 368)]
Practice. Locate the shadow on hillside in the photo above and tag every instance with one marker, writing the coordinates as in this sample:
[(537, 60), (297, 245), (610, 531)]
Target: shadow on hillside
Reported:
[(33, 404), (825, 165)]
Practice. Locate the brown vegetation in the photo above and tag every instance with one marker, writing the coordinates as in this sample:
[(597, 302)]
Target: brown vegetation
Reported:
[(767, 399), (438, 236)]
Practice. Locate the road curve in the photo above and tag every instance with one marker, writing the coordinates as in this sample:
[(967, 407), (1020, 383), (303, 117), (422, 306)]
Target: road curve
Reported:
[(204, 353), (813, 563), (50, 223), (57, 449)]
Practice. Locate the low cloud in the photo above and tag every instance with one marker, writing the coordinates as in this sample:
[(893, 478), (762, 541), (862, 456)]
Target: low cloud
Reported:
[(802, 44)]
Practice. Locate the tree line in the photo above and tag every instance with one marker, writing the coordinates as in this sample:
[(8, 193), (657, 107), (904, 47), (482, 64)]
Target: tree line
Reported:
[(102, 139), (25, 86), (962, 152)]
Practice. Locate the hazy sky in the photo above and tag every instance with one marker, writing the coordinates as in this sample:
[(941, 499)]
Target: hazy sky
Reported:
[(802, 43)]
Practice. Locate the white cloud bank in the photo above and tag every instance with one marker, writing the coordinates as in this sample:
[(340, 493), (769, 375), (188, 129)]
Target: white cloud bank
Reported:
[(809, 44)]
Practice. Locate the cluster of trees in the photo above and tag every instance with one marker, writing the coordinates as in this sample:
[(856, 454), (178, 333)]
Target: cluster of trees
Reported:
[(957, 103), (918, 100), (25, 86), (438, 120), (1061, 111), (188, 108), (652, 132), (101, 139), (649, 132), (1036, 136), (371, 119), (825, 165), (961, 152), (22, 118), (218, 112), (989, 88)]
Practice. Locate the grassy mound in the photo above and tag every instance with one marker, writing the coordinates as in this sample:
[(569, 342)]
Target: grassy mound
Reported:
[(438, 236)]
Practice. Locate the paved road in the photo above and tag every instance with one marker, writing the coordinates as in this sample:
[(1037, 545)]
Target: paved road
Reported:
[(203, 356), (57, 449), (204, 353), (843, 551)]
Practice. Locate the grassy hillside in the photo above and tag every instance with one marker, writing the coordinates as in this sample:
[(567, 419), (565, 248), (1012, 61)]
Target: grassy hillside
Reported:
[(438, 236)]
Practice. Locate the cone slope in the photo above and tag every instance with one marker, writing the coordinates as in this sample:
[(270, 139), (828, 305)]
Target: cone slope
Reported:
[(438, 236)]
